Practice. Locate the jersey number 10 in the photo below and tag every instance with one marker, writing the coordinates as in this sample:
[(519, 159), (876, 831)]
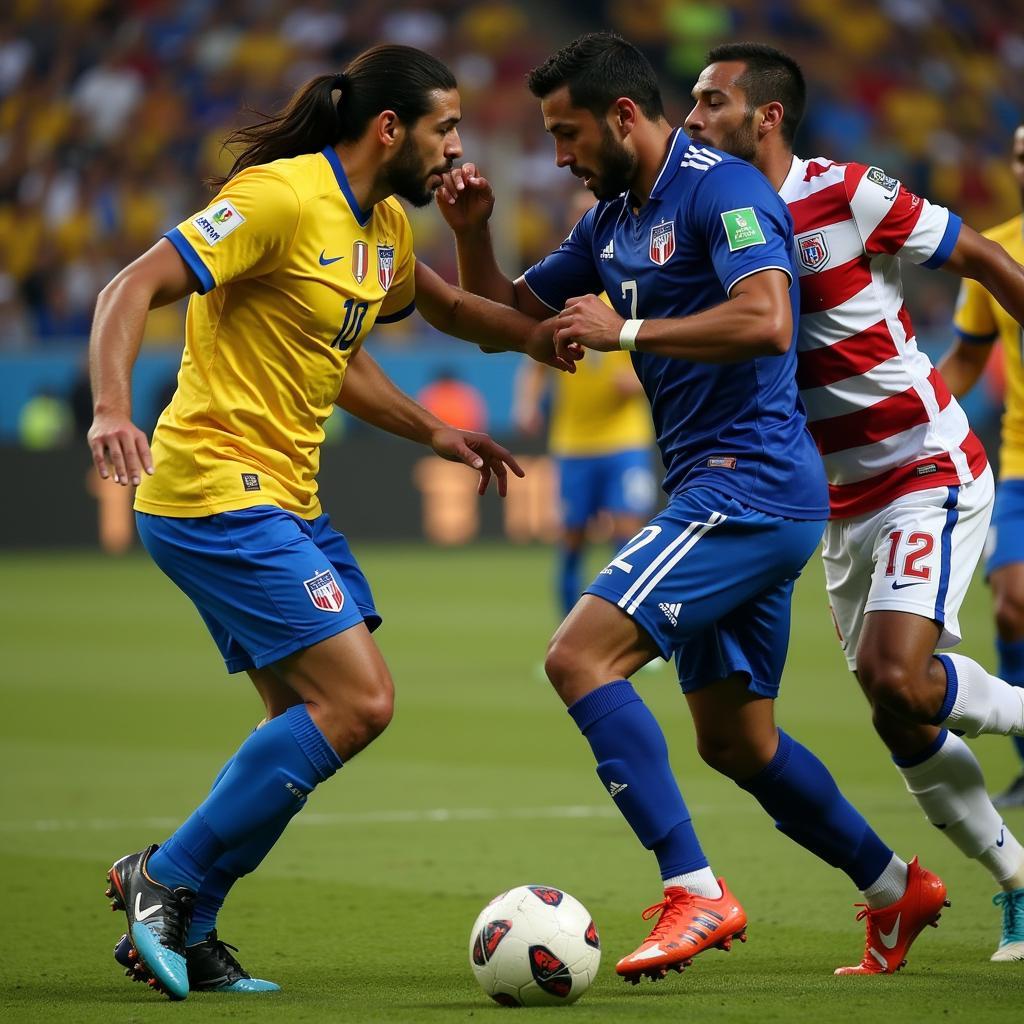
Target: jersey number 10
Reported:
[(354, 314)]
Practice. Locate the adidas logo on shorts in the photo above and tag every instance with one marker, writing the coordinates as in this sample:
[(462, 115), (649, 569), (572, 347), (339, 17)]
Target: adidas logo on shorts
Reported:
[(671, 612)]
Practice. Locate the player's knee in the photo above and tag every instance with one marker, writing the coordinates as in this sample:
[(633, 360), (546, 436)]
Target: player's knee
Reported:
[(896, 688), (732, 756), (355, 719), (1009, 615), (562, 664)]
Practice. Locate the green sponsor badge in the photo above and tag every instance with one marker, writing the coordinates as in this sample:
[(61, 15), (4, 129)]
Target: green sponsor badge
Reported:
[(742, 229)]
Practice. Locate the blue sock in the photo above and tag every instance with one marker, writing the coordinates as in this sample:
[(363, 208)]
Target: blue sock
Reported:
[(796, 789), (569, 586), (632, 763), (1011, 668), (267, 780)]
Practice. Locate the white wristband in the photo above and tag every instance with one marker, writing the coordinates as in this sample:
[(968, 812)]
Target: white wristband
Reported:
[(627, 336)]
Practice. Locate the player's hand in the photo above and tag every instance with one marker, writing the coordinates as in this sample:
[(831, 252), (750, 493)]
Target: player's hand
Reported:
[(479, 452), (118, 445), (587, 321), (540, 345), (465, 198)]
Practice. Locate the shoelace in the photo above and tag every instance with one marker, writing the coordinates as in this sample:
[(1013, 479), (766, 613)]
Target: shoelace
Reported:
[(1013, 914), (219, 949), (177, 917), (660, 929)]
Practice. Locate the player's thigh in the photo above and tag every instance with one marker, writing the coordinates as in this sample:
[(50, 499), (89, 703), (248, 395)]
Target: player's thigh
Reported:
[(926, 550), (259, 580), (703, 557)]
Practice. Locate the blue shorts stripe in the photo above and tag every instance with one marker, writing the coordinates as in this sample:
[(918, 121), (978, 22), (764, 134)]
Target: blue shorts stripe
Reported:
[(946, 546)]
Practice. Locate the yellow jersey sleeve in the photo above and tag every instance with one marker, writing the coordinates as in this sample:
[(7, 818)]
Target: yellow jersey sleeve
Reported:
[(400, 300), (246, 232), (974, 318)]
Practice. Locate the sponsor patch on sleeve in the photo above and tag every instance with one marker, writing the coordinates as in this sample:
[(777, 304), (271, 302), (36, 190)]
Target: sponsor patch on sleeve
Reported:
[(218, 221), (878, 177), (742, 229)]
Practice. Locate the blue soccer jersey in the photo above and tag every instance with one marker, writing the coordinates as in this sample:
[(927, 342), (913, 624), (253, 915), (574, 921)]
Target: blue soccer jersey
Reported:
[(711, 221)]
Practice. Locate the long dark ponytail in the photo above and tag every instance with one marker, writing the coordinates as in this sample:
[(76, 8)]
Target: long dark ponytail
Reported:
[(336, 108)]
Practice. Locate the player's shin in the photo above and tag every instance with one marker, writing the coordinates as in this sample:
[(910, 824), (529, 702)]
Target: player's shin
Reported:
[(977, 702), (947, 783), (633, 765)]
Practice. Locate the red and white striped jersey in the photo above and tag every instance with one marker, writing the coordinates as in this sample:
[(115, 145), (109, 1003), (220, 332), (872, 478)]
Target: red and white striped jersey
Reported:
[(882, 417)]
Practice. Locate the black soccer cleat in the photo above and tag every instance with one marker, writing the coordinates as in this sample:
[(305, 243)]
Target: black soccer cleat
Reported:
[(211, 967), (158, 920)]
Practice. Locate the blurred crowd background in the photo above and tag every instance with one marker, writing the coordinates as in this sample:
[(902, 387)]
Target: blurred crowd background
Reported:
[(112, 112)]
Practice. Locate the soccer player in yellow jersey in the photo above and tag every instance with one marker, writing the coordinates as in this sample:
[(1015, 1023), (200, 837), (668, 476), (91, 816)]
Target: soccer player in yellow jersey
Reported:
[(980, 321), (303, 250)]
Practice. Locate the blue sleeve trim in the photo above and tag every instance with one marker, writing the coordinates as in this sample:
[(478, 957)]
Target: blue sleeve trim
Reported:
[(550, 305), (192, 260), (750, 271), (947, 245), (392, 318), (976, 339)]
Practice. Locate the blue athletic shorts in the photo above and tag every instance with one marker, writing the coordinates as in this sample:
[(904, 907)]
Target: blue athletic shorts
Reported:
[(1006, 534), (266, 582), (711, 581), (621, 483)]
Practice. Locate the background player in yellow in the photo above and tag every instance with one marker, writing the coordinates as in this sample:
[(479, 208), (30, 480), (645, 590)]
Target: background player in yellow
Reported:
[(600, 434), (980, 321), (303, 250)]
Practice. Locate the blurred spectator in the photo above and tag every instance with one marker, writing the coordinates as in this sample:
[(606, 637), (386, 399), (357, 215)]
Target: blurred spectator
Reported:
[(455, 401)]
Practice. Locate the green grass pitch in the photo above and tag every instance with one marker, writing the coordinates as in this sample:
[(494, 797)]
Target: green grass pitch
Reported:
[(117, 714)]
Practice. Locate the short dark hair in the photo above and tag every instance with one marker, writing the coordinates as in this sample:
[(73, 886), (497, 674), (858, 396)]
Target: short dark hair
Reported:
[(599, 67), (771, 76)]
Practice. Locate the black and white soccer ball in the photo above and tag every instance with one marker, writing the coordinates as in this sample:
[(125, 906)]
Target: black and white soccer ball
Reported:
[(534, 946)]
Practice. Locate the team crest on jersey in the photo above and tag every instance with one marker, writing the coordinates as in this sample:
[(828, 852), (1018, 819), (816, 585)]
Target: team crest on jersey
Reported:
[(360, 259), (324, 592), (812, 250), (663, 243), (385, 265)]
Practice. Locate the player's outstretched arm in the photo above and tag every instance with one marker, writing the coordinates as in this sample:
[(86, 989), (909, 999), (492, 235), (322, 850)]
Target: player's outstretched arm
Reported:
[(756, 320), (156, 278), (369, 394), (492, 326), (990, 264)]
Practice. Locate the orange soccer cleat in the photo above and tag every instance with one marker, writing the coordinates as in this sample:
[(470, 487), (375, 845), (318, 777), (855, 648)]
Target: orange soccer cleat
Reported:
[(892, 929), (688, 925)]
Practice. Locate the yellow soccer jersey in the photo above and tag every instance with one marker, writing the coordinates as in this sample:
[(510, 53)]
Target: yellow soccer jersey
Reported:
[(590, 415), (293, 274), (979, 318)]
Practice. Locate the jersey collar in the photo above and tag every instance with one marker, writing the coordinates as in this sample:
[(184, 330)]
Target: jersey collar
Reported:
[(339, 172), (673, 159)]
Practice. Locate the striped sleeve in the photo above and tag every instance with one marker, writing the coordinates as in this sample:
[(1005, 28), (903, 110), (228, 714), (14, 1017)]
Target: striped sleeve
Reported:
[(893, 221)]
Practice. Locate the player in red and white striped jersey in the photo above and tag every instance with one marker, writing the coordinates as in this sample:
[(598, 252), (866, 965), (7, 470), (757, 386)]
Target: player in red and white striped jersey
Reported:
[(910, 488)]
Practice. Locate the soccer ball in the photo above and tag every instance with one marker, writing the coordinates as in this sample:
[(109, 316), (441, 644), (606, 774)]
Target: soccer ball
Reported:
[(534, 946)]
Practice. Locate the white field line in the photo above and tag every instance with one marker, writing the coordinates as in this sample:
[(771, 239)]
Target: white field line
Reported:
[(313, 819)]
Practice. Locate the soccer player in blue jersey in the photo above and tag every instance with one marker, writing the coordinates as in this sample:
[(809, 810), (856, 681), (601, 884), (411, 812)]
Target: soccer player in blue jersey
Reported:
[(694, 249), (303, 250)]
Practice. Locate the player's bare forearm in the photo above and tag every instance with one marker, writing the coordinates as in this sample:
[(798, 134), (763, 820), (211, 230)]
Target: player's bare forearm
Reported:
[(479, 272), (962, 365), (989, 263), (755, 321), (369, 394)]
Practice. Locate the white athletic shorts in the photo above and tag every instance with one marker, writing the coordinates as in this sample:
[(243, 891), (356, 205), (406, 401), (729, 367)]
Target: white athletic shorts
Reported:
[(916, 555)]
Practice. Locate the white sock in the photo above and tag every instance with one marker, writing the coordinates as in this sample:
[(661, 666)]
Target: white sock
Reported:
[(702, 882), (950, 789), (890, 885), (984, 703)]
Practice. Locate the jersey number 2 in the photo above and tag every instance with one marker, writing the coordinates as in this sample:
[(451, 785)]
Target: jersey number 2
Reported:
[(354, 313)]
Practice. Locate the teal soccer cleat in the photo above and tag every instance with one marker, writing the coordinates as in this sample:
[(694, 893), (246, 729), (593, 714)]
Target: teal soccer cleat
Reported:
[(158, 920), (1011, 946), (211, 967)]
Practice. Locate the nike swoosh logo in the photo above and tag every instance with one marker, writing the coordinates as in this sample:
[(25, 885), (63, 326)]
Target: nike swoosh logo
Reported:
[(901, 586), (140, 914), (329, 260), (889, 938), (1002, 837)]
